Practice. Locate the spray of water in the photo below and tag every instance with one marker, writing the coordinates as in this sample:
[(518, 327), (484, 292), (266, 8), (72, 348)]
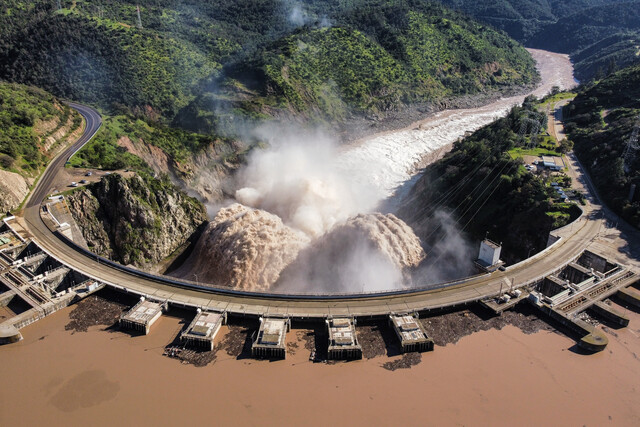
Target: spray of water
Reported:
[(369, 252), (297, 180), (243, 248)]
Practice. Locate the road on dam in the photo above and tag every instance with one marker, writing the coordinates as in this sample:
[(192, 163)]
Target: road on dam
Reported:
[(573, 240)]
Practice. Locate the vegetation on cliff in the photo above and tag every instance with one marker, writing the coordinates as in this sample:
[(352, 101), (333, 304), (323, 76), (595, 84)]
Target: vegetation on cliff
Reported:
[(248, 56), (487, 191), (34, 126), (600, 121), (138, 220), (28, 117)]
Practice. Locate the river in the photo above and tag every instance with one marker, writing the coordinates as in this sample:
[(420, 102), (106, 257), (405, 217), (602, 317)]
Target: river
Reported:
[(504, 377), (494, 377), (387, 160)]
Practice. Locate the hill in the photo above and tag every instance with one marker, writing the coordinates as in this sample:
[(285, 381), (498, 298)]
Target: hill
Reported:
[(600, 121), (600, 35), (482, 188), (249, 56), (99, 57), (377, 58), (34, 126), (138, 220)]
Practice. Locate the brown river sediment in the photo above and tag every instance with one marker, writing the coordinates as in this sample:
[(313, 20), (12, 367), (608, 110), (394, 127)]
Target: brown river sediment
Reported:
[(103, 377), (491, 377)]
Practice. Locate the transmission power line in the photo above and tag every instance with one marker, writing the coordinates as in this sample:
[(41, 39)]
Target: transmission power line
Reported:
[(139, 23), (632, 147), (530, 124)]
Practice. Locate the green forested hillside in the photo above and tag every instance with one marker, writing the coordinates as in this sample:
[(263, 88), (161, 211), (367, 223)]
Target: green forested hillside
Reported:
[(488, 192), (600, 122), (600, 35), (367, 55), (28, 116), (374, 62), (76, 54)]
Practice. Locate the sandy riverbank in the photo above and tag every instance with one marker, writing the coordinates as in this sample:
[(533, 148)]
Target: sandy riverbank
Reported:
[(491, 377)]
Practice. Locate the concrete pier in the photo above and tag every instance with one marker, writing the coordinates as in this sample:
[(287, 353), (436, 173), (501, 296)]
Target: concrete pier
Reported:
[(203, 329), (563, 300), (142, 316), (269, 341), (9, 334), (410, 333), (591, 339), (629, 295), (609, 313), (343, 341)]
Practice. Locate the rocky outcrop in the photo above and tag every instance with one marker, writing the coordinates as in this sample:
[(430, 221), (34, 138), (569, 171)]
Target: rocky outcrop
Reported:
[(206, 172), (13, 189), (137, 220), (210, 171)]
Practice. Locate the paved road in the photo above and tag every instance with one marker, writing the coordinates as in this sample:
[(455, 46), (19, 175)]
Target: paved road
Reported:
[(93, 122), (575, 239)]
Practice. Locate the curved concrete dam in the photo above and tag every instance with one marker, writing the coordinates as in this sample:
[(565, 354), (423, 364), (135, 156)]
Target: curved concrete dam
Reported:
[(357, 302)]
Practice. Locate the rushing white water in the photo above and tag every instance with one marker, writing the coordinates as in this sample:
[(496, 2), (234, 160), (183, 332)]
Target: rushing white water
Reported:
[(307, 196), (387, 160)]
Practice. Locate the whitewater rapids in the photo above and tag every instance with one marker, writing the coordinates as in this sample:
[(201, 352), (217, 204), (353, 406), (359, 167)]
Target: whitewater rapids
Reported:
[(307, 226), (388, 160)]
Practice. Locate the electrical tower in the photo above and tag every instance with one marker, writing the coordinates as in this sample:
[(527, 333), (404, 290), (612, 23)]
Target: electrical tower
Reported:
[(58, 5), (632, 147), (139, 24)]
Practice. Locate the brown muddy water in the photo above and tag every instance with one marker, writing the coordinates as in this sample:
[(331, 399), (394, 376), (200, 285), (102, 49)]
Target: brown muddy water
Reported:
[(494, 377)]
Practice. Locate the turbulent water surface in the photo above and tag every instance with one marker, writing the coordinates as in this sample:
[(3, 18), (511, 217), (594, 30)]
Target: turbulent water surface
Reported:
[(307, 220), (387, 160)]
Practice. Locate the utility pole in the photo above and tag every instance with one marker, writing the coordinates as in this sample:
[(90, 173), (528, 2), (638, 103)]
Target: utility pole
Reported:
[(139, 24), (632, 147)]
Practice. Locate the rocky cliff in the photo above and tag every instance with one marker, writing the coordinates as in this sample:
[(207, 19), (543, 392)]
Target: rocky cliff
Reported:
[(206, 172), (138, 220)]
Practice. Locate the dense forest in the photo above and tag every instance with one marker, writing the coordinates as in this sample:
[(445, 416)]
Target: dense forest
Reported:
[(381, 60), (488, 191), (600, 121), (257, 57), (600, 35)]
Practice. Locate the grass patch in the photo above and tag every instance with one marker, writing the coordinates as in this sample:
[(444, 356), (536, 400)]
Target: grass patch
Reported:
[(519, 152)]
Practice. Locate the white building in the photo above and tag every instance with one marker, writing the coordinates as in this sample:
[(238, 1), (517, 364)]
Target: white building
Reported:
[(489, 253)]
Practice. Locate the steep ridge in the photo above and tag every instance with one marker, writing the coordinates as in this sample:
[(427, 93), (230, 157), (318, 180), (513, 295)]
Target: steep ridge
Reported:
[(601, 121), (34, 127), (138, 220)]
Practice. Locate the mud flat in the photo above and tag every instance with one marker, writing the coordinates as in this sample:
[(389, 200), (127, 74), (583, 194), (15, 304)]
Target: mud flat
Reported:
[(490, 377)]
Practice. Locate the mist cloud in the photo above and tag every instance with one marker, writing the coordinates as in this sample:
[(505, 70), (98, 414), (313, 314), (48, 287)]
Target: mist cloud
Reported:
[(297, 179)]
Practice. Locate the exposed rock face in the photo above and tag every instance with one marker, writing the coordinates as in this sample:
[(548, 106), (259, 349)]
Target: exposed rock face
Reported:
[(205, 172), (13, 189), (50, 137), (243, 248), (137, 221)]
